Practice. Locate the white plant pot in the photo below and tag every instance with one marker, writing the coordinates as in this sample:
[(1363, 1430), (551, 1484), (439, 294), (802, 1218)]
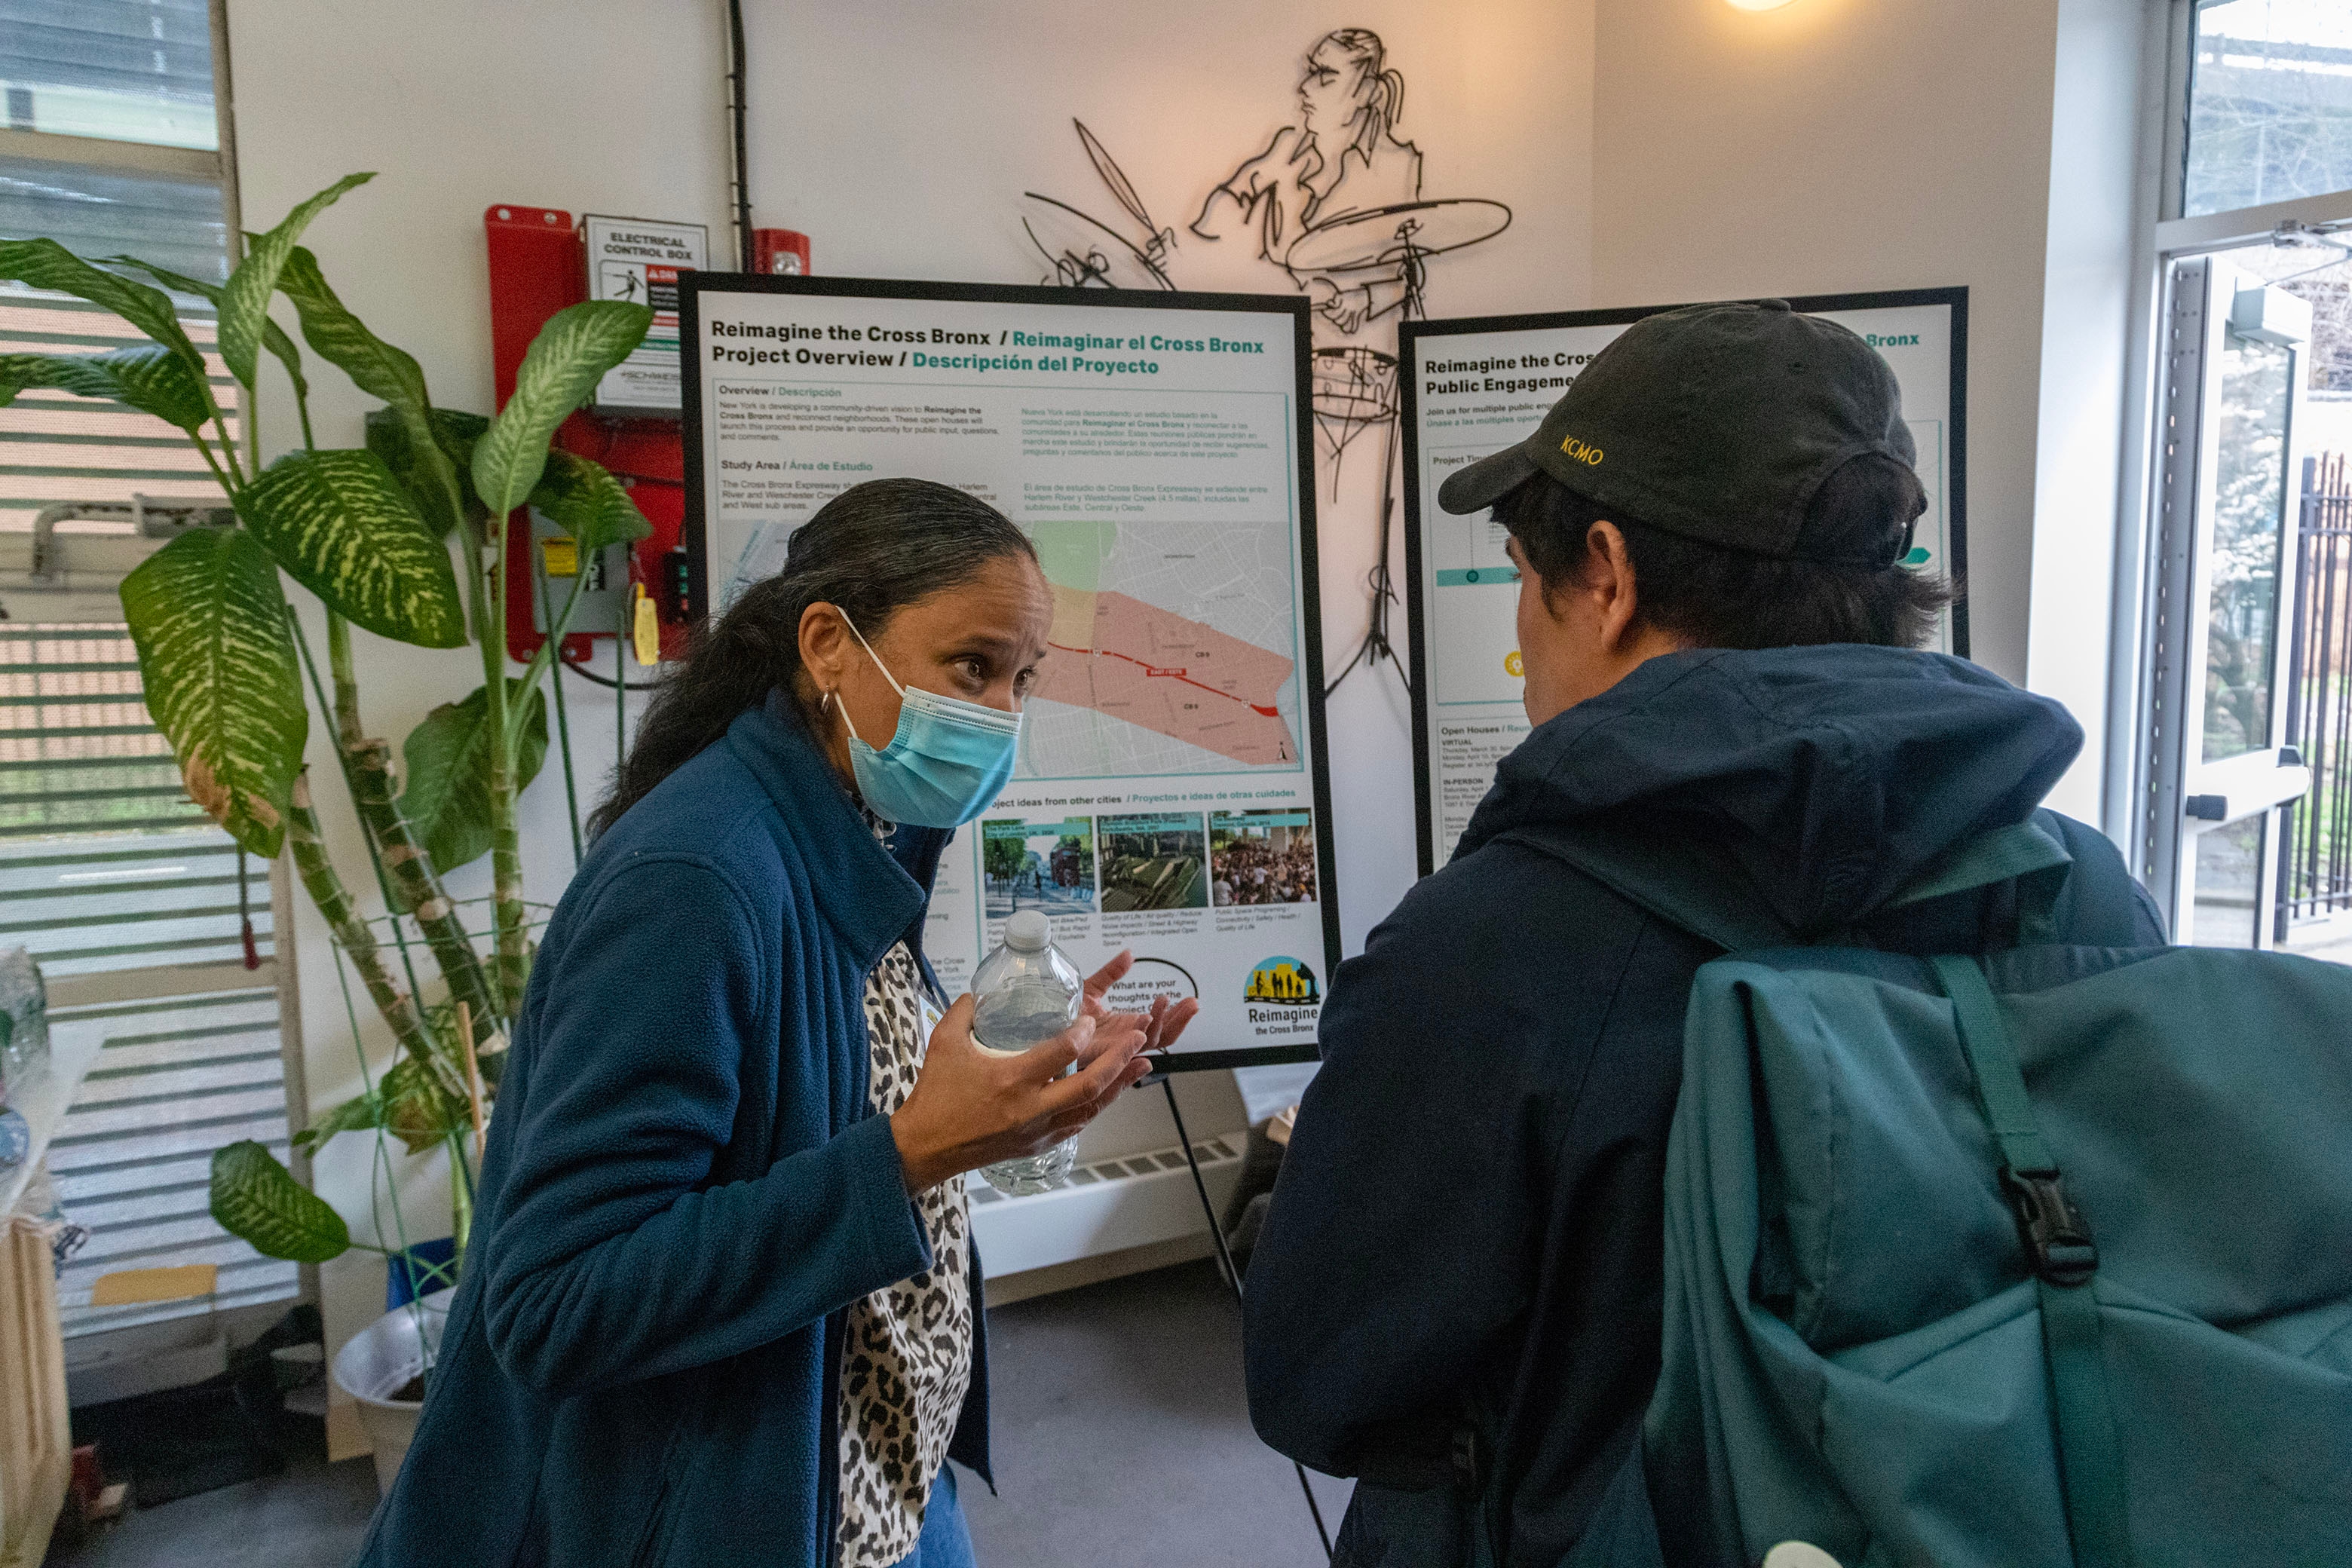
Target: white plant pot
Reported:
[(374, 1365)]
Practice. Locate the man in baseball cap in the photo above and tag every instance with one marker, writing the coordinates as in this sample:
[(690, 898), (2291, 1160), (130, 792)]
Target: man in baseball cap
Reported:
[(1720, 632)]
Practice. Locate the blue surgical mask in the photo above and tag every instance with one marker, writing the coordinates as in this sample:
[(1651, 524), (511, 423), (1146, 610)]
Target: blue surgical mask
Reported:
[(948, 759)]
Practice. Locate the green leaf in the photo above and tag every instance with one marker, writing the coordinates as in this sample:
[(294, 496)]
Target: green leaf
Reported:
[(341, 527), (456, 432), (45, 264), (588, 503), (273, 336), (342, 340), (356, 1114), (447, 796), (245, 303), (148, 376), (258, 1199), (419, 1108), (378, 369), (217, 663), (559, 370)]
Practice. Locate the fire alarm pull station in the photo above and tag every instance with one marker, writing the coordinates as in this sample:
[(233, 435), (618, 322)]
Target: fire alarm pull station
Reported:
[(540, 263)]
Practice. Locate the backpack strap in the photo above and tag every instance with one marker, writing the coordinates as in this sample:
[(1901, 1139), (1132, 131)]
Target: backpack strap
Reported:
[(2065, 1264)]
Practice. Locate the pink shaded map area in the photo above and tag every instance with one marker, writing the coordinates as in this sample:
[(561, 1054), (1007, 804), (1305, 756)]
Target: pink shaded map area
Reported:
[(1167, 674)]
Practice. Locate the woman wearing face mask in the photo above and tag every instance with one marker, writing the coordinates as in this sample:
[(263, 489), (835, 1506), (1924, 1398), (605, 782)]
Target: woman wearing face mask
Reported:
[(722, 1304)]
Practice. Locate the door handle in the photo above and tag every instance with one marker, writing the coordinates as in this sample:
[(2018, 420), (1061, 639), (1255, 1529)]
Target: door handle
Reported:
[(2207, 807)]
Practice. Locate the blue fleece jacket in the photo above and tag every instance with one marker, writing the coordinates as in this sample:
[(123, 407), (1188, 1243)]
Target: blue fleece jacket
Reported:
[(683, 1193)]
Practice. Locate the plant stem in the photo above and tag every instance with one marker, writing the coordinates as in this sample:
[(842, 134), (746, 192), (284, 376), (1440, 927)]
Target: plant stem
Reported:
[(508, 915), (461, 1201), (205, 449), (562, 718), (351, 935), (410, 884)]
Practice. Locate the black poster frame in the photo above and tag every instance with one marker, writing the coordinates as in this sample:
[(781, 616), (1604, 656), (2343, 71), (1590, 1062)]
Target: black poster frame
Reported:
[(1411, 335), (693, 286)]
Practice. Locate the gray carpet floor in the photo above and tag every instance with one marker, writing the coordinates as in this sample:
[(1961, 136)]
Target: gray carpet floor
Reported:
[(1121, 1436)]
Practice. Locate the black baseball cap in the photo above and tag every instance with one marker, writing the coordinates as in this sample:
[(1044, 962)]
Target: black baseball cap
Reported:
[(1715, 422)]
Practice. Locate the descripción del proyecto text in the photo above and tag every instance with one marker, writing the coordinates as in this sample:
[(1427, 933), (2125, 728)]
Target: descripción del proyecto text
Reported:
[(1087, 352)]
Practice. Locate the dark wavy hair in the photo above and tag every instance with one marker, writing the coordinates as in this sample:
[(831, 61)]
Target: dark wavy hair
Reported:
[(870, 551), (1851, 584)]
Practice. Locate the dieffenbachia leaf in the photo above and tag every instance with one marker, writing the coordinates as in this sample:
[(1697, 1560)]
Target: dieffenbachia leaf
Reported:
[(342, 340), (256, 1198), (245, 303), (273, 336), (580, 497), (381, 370), (148, 376), (454, 432), (447, 796), (217, 663), (563, 364), (357, 1114), (343, 527), (45, 264)]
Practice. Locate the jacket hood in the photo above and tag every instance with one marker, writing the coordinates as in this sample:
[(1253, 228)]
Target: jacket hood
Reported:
[(1829, 776)]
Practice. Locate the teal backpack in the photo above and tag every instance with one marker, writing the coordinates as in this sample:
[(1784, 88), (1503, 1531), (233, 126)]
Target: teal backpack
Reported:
[(2037, 1258)]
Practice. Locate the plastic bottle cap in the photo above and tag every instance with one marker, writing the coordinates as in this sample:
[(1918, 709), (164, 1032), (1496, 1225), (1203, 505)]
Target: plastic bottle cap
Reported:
[(1027, 931)]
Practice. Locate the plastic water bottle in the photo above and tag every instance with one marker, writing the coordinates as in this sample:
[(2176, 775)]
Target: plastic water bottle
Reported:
[(1028, 992), (23, 1014)]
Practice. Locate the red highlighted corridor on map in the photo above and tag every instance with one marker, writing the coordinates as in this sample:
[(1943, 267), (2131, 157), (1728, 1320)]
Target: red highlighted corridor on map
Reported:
[(1121, 656)]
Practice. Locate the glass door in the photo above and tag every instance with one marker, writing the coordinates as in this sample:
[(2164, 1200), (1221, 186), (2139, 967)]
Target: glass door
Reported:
[(2220, 765)]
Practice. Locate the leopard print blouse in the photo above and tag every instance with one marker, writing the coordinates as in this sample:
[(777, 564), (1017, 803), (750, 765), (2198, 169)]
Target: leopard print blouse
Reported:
[(907, 1361)]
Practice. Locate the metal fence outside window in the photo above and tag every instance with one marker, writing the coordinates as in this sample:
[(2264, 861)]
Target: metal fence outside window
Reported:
[(2317, 880)]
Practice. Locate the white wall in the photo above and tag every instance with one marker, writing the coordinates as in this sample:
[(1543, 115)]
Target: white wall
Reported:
[(900, 135), (2098, 210), (1836, 145)]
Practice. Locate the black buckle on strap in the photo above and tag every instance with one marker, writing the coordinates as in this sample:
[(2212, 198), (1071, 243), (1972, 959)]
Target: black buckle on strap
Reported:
[(2057, 1238)]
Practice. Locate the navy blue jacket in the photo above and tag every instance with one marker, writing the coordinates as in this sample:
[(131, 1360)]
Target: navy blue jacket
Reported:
[(684, 1191), (1470, 1214)]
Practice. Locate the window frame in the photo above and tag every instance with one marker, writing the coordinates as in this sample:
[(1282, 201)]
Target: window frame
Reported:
[(2135, 767)]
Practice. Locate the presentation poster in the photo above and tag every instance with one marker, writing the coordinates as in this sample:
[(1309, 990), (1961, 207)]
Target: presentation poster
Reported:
[(1171, 794), (1475, 387)]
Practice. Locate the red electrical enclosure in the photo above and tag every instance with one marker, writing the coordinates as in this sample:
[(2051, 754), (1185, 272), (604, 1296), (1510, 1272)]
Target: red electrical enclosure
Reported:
[(538, 268)]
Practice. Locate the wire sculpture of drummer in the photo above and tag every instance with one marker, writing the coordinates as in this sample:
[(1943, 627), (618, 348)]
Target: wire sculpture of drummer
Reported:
[(1342, 157)]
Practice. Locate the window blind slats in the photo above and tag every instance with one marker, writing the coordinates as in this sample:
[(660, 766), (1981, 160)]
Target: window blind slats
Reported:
[(106, 866)]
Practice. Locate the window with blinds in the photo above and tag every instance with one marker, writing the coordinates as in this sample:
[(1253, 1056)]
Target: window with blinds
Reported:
[(136, 70), (134, 905)]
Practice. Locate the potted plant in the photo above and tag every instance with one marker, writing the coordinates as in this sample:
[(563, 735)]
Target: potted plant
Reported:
[(225, 661)]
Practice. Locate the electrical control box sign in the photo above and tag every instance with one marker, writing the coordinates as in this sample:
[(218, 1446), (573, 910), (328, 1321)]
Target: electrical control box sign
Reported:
[(1476, 386), (1170, 794)]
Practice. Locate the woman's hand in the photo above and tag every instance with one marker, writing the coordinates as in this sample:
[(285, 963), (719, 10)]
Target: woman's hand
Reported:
[(970, 1108), (1162, 1024)]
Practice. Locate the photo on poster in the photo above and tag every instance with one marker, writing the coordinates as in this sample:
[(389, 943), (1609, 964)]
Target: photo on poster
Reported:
[(1157, 862), (1029, 863), (1261, 857)]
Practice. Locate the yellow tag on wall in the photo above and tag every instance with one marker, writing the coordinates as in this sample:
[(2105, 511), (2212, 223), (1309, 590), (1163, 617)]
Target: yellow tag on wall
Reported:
[(562, 557), (644, 625)]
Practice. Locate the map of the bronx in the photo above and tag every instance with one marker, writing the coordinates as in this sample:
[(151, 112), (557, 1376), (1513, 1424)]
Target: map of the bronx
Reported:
[(1169, 632)]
